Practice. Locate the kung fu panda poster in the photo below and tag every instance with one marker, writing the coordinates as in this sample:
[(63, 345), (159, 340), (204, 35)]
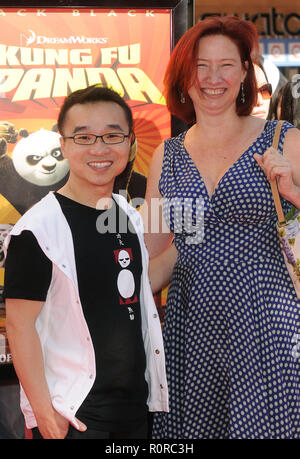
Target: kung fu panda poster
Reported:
[(46, 53)]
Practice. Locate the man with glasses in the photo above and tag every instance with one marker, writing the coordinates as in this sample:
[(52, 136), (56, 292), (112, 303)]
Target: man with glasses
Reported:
[(86, 342)]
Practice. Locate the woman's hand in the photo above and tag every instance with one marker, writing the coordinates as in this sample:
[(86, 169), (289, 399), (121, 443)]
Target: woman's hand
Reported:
[(276, 165)]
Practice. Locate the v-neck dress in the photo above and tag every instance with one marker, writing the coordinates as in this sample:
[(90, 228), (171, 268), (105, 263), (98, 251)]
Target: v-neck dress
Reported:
[(232, 325)]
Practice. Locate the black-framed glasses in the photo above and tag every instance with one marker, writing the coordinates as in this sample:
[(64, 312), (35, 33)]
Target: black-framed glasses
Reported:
[(266, 91), (110, 138)]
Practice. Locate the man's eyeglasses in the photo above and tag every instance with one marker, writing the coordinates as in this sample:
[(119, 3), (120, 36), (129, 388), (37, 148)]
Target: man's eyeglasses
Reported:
[(266, 91), (89, 139)]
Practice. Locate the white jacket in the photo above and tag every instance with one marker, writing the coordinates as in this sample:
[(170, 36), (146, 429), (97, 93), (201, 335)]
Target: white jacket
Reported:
[(69, 357)]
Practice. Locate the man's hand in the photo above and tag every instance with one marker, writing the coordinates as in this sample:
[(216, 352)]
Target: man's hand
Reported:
[(56, 426)]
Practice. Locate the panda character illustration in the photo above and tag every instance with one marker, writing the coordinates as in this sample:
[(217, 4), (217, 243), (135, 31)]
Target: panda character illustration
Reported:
[(35, 168), (38, 158), (125, 281)]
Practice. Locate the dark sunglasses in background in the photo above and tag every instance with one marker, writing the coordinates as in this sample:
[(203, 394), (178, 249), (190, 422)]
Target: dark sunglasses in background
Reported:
[(266, 91)]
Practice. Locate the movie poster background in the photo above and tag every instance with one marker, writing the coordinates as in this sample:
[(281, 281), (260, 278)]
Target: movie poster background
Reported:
[(44, 55)]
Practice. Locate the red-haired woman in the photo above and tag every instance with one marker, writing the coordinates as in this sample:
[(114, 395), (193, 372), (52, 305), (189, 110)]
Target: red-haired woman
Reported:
[(232, 323)]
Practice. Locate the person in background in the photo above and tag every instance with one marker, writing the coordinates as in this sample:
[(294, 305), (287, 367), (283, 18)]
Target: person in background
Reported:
[(232, 314), (287, 104), (262, 108), (83, 328), (274, 75)]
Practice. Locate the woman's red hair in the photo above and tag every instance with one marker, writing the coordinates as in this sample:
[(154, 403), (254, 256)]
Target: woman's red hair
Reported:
[(181, 70)]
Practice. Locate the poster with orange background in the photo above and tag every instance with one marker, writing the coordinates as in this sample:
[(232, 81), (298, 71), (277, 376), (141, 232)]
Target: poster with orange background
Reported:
[(47, 53)]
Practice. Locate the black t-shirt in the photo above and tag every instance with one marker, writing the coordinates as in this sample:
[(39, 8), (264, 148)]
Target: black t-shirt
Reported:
[(109, 268)]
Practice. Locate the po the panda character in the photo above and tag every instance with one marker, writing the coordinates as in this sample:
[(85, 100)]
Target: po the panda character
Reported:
[(35, 168)]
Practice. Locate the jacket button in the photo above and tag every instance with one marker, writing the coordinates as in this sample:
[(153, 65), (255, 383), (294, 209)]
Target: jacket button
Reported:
[(157, 351), (154, 316)]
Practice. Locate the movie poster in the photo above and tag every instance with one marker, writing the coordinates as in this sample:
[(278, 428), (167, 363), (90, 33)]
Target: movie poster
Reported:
[(44, 55)]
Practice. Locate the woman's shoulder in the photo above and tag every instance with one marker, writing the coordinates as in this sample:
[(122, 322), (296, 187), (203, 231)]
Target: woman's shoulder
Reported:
[(287, 131), (265, 129), (165, 147), (165, 151), (175, 141), (292, 140), (271, 125)]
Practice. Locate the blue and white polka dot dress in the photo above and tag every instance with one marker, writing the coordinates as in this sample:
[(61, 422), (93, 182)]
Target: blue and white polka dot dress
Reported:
[(232, 326)]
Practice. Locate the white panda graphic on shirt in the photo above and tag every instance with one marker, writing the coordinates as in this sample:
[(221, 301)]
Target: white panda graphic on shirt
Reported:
[(125, 280)]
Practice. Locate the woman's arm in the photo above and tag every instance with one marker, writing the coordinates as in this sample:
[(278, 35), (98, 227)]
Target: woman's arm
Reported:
[(161, 268), (157, 235)]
